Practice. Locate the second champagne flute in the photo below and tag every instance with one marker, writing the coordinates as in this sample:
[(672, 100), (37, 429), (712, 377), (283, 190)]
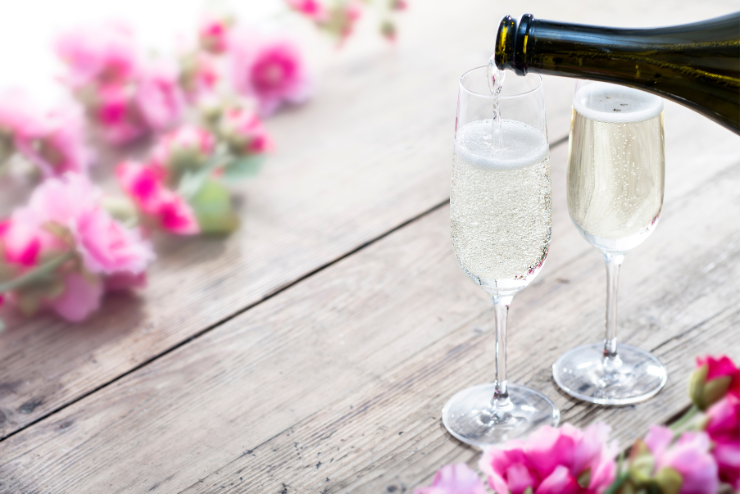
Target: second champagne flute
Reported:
[(616, 171)]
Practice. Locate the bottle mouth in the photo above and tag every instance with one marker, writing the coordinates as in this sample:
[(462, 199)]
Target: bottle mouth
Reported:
[(511, 40)]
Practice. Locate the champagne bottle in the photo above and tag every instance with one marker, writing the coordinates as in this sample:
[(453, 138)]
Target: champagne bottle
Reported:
[(696, 65)]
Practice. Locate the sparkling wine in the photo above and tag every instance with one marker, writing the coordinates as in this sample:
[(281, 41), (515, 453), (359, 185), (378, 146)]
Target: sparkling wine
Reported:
[(616, 165), (501, 208)]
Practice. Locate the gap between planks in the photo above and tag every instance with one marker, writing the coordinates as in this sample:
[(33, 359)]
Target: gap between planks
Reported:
[(235, 314)]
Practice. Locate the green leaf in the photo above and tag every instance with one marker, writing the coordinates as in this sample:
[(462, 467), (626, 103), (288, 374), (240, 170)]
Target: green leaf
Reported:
[(696, 385), (241, 168), (212, 206), (39, 275)]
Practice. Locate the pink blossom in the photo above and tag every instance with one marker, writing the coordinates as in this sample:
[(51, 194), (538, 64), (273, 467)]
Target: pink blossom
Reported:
[(551, 461), (244, 132), (398, 5), (103, 53), (53, 140), (73, 203), (20, 243), (454, 479), (186, 144), (159, 98), (313, 9), (712, 380), (144, 185), (270, 70), (689, 456), (723, 429), (199, 75), (343, 17), (80, 298), (118, 115), (213, 34)]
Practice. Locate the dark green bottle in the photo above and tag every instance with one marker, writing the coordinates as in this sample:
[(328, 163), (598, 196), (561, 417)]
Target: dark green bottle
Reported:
[(696, 65)]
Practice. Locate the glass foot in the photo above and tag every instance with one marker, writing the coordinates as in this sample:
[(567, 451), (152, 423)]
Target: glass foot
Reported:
[(470, 417), (633, 376)]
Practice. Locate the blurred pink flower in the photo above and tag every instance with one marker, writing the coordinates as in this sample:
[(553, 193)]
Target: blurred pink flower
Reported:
[(199, 75), (270, 70), (19, 243), (159, 98), (723, 429), (213, 34), (186, 143), (80, 298), (144, 185), (689, 456), (118, 114), (73, 203), (551, 461), (398, 4), (343, 18), (313, 9), (103, 53), (53, 140), (454, 479), (243, 131)]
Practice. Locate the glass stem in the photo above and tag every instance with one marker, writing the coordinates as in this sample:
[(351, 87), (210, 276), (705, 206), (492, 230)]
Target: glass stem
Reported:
[(501, 311), (613, 263)]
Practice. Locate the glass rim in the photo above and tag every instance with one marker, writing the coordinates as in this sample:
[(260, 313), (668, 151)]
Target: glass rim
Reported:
[(488, 95)]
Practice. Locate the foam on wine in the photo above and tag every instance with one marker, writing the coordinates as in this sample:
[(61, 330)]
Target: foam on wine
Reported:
[(616, 104), (521, 145)]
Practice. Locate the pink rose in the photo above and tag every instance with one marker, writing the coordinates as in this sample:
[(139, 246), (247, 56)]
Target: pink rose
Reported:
[(144, 185), (723, 429), (270, 70), (213, 34), (313, 9), (244, 132), (73, 204), (158, 96), (118, 115), (553, 461), (20, 243), (186, 147), (689, 457), (712, 380), (454, 479), (103, 53)]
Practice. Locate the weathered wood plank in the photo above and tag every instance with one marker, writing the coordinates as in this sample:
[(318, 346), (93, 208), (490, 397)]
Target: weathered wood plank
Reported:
[(343, 376), (371, 151)]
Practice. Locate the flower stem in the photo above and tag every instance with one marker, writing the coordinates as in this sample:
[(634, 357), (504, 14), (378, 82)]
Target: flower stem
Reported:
[(38, 272)]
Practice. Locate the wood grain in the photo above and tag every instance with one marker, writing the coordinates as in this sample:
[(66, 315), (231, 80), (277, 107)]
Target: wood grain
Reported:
[(371, 151), (336, 384)]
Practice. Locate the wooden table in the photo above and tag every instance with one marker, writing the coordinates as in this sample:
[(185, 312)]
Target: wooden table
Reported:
[(312, 350)]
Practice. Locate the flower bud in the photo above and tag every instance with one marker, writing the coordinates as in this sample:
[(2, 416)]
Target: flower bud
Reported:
[(712, 380)]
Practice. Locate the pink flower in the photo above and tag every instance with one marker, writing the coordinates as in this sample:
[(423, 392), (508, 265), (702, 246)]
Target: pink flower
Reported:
[(551, 461), (454, 479), (723, 429), (199, 75), (185, 147), (270, 70), (53, 140), (712, 379), (80, 298), (689, 456), (103, 53), (118, 115), (168, 209), (313, 9), (213, 34), (398, 4), (73, 204), (158, 96), (342, 20), (20, 243), (244, 132)]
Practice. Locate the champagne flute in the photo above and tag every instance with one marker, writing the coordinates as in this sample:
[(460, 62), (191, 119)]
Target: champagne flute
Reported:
[(501, 218), (616, 171)]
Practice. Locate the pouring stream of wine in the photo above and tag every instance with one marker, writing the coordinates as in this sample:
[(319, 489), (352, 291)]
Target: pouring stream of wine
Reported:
[(495, 84)]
